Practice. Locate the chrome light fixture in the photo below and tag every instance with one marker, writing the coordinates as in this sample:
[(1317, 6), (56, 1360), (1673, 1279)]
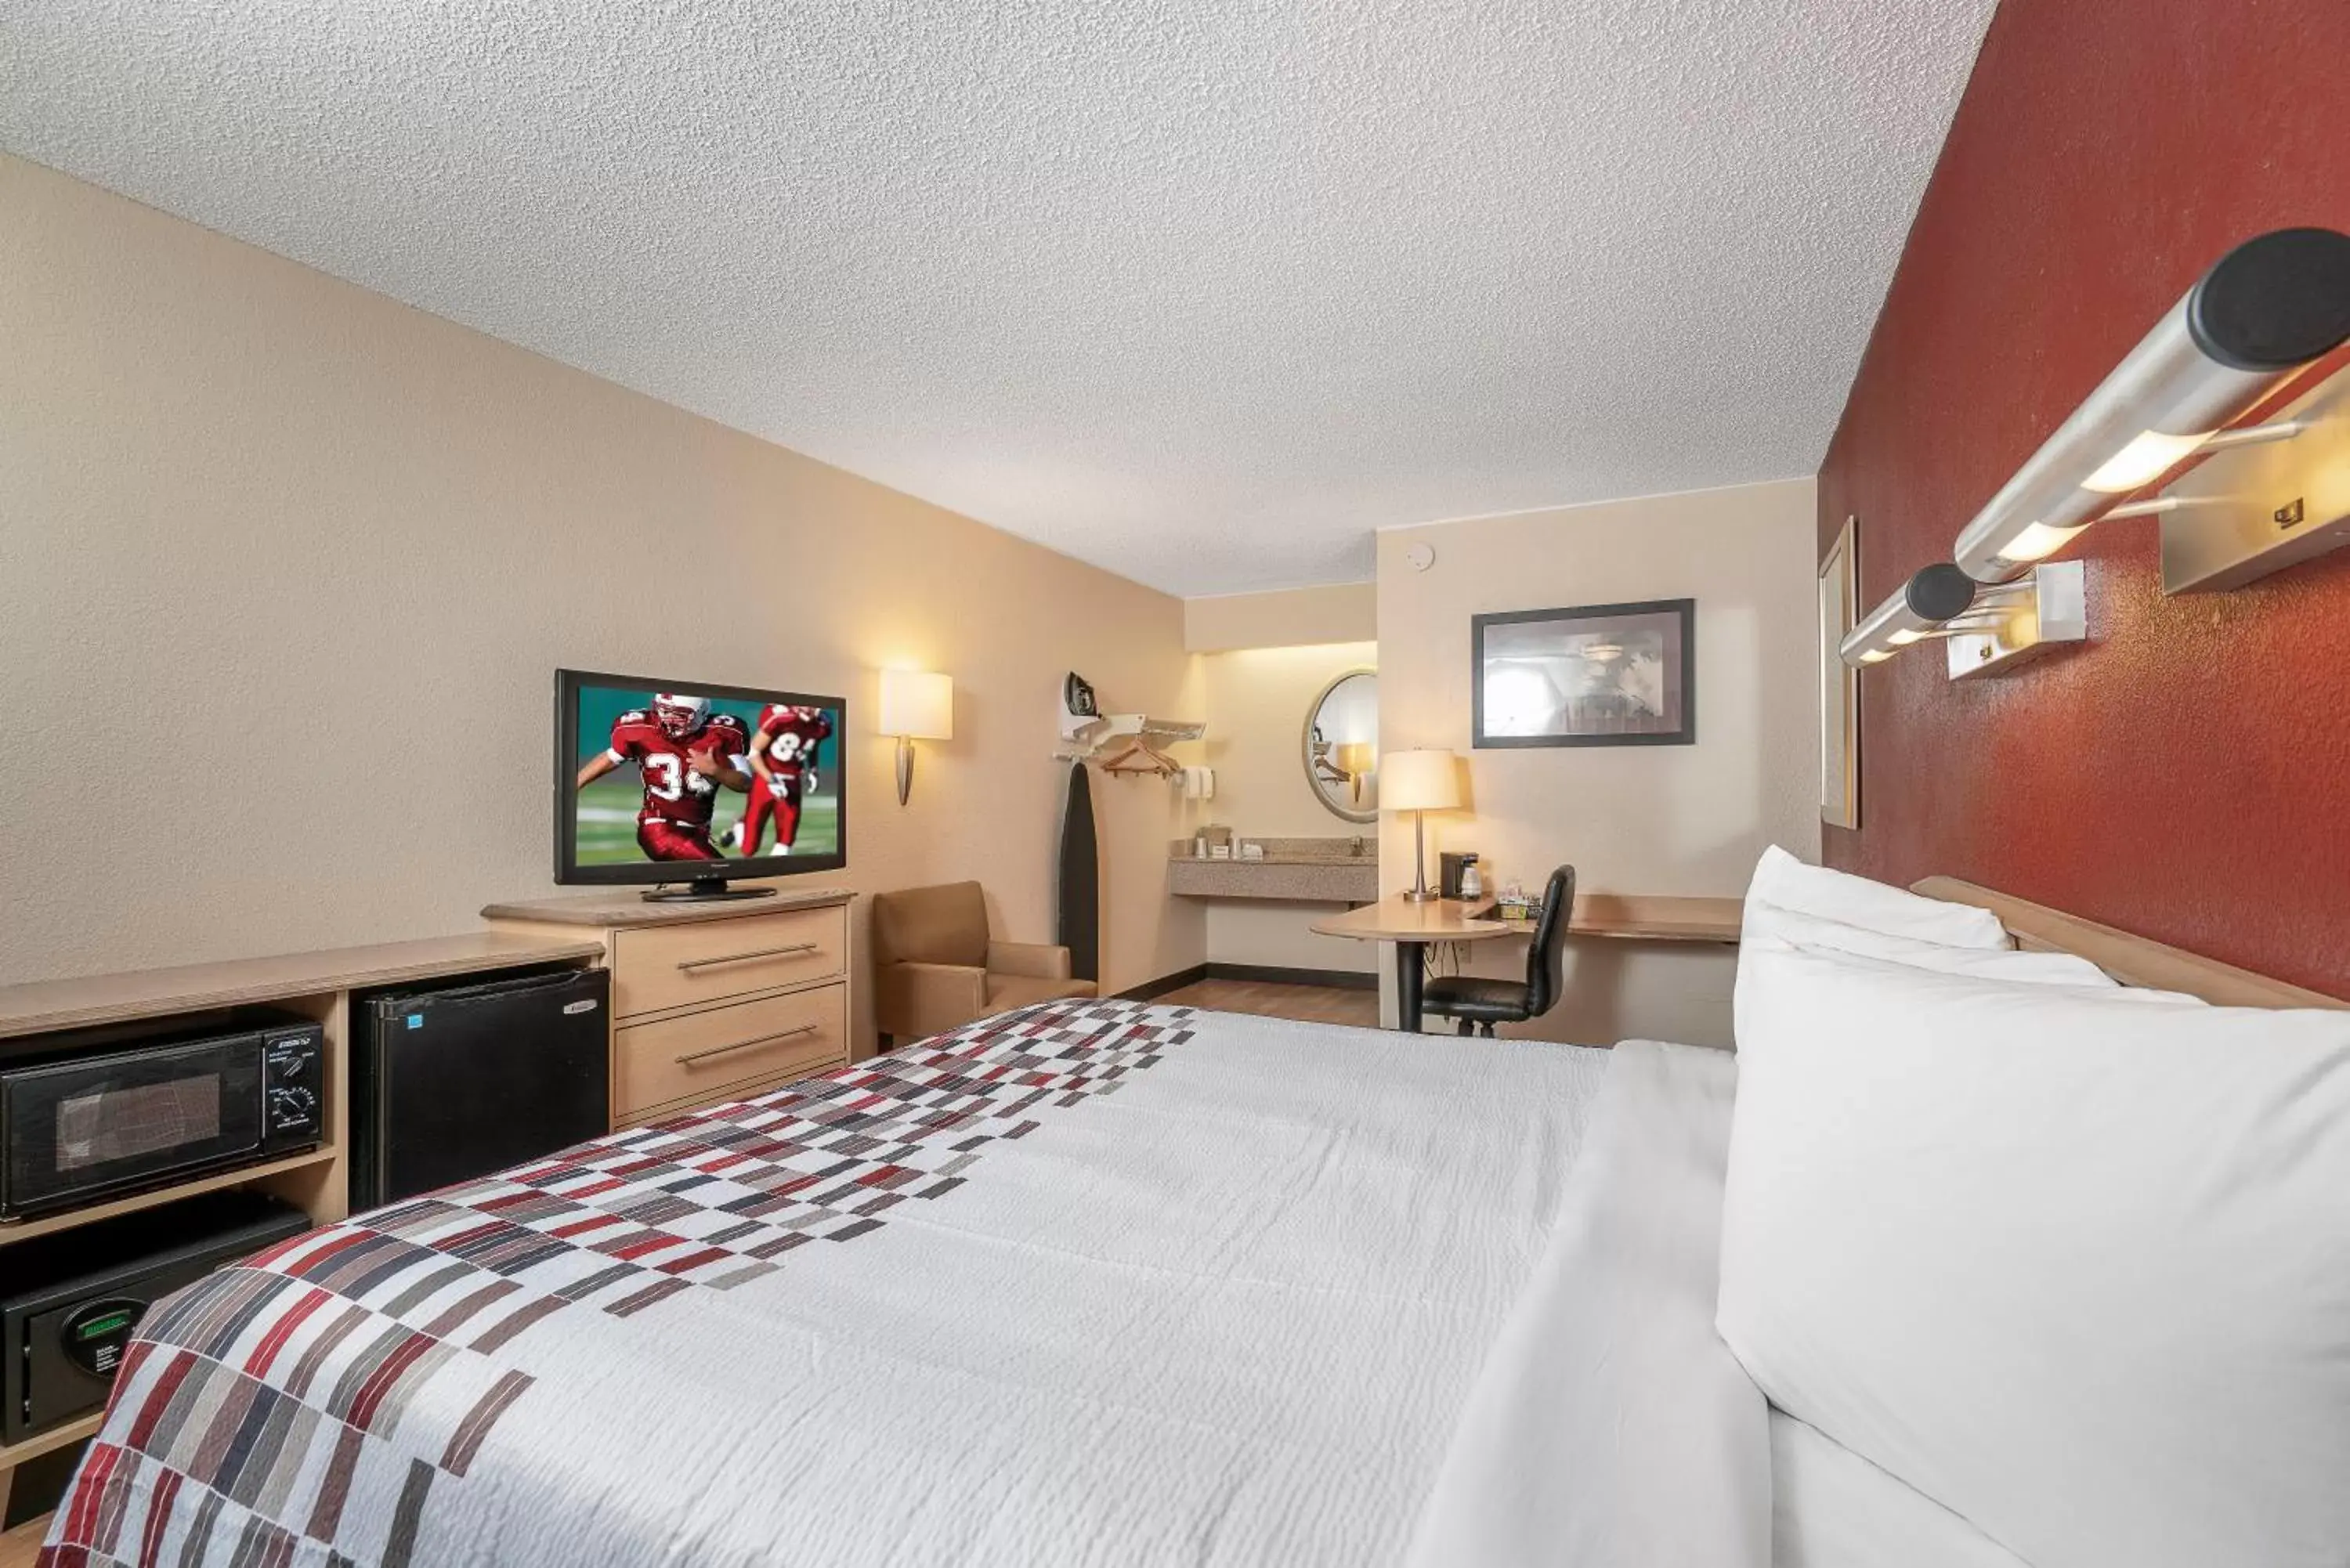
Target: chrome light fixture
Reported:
[(1983, 627), (1920, 607), (2269, 308), (2011, 623)]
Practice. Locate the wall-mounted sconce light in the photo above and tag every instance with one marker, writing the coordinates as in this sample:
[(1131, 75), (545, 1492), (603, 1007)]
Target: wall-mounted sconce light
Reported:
[(2270, 307), (916, 705), (2012, 623), (1919, 608), (1984, 626)]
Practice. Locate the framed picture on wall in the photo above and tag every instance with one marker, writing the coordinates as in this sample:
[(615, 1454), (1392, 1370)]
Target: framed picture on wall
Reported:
[(1839, 681), (1597, 675)]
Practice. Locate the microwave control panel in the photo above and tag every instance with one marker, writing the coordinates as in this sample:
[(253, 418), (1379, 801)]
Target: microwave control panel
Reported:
[(294, 1090)]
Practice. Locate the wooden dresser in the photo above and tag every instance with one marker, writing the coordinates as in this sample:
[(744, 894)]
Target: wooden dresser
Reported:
[(710, 1002)]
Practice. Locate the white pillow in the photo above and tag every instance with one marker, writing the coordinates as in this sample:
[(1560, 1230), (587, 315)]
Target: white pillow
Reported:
[(2076, 1269), (1786, 883), (1770, 928)]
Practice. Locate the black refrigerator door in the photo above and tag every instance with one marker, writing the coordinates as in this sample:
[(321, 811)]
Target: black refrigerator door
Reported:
[(465, 1082)]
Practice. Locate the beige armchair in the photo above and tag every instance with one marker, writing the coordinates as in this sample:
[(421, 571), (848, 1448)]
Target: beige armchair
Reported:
[(934, 966)]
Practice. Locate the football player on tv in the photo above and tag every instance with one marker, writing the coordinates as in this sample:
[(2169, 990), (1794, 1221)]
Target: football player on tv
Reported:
[(784, 755), (685, 752)]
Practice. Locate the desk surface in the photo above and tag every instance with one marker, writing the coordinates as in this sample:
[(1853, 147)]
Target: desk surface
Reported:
[(1396, 918), (1634, 917)]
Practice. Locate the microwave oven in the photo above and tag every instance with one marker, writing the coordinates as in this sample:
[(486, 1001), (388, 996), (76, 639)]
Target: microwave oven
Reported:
[(82, 1123)]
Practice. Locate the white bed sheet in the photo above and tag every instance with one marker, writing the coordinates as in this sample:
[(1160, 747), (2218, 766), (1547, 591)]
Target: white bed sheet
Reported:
[(1226, 1316), (1832, 1508), (1610, 1426)]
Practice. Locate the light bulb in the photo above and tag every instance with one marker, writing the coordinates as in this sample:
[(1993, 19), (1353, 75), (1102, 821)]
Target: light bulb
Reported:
[(2151, 454), (2037, 542)]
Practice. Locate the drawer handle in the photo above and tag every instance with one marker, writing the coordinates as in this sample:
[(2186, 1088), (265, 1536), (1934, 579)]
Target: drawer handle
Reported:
[(689, 1058), (688, 966)]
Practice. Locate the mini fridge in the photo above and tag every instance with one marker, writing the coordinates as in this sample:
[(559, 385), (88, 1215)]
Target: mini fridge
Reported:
[(459, 1081)]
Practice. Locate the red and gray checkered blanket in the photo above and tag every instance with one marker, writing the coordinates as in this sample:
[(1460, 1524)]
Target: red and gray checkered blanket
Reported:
[(310, 1404)]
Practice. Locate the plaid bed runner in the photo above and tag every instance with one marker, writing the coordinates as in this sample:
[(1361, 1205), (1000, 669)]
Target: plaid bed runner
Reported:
[(305, 1404)]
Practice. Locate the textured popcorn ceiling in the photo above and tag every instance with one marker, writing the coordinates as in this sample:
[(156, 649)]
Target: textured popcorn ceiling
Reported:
[(1200, 290)]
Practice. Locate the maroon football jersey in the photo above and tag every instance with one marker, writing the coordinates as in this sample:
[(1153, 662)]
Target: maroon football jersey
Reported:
[(674, 792), (795, 735)]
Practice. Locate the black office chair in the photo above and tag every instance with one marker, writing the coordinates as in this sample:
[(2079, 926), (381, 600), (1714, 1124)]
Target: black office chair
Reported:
[(1476, 1005)]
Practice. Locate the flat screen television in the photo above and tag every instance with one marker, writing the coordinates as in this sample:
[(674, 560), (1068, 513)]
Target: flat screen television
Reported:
[(678, 782)]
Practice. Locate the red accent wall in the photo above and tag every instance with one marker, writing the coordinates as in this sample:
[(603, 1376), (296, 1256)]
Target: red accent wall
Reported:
[(2186, 773)]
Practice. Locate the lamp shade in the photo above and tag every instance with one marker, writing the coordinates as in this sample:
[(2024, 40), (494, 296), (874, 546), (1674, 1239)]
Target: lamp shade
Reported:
[(1424, 779), (917, 704)]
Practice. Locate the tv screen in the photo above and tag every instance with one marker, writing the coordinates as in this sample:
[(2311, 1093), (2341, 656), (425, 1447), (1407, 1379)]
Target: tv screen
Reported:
[(674, 781)]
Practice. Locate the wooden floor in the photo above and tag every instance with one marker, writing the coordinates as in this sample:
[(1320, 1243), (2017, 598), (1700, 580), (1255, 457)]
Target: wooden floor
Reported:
[(1306, 1003), (20, 1546)]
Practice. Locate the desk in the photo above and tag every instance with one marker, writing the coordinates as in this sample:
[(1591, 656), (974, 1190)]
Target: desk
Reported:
[(1625, 915), (1412, 927)]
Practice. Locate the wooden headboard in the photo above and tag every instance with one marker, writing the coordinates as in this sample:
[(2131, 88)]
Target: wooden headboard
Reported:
[(2133, 961)]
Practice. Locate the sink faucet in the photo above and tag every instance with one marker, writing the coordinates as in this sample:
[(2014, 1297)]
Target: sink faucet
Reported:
[(1358, 849)]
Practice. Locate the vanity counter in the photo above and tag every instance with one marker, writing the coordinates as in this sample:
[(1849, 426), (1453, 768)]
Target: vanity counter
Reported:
[(1293, 870)]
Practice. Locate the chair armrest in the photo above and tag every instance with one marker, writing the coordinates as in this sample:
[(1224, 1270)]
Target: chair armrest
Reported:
[(912, 1000), (1034, 961)]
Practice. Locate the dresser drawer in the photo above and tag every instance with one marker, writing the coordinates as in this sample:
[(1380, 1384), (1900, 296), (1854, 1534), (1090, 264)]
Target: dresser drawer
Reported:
[(732, 1091), (709, 961), (696, 1057)]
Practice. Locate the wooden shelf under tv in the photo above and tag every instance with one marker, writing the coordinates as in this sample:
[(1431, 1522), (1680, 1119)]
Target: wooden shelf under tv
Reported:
[(56, 1438), (242, 1175)]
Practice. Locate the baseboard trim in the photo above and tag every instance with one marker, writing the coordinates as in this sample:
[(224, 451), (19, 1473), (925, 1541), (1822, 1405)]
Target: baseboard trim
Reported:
[(1151, 989), (1270, 974), (1264, 974)]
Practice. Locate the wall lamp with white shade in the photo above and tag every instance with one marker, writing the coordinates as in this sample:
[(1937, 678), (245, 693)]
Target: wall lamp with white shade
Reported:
[(915, 705), (2269, 309)]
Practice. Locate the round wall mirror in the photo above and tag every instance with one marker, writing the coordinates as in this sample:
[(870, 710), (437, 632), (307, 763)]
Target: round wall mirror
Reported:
[(1342, 745)]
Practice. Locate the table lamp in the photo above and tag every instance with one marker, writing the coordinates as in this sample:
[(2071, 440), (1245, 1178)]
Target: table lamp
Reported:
[(1422, 780)]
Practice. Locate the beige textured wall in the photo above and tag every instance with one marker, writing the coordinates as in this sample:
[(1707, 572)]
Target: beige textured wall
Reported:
[(1288, 618), (1256, 701), (287, 567), (1631, 819)]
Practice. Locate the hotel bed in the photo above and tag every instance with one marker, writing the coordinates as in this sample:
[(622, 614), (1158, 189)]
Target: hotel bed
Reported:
[(1091, 1282)]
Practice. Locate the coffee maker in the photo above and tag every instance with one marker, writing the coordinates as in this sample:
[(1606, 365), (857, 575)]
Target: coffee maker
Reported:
[(1449, 868)]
